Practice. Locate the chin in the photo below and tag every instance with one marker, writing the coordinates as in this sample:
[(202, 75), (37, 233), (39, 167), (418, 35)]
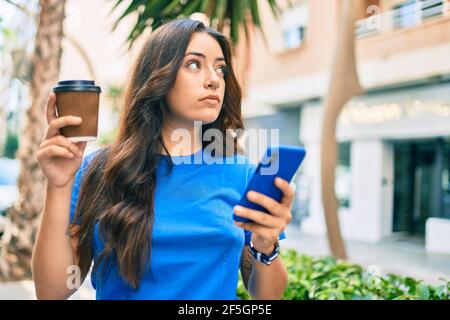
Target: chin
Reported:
[(207, 120), (207, 116)]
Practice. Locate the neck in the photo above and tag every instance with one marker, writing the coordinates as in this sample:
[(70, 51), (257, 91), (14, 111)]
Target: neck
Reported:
[(181, 137)]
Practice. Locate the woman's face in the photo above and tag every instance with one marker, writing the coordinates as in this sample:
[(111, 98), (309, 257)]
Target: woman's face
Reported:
[(201, 74)]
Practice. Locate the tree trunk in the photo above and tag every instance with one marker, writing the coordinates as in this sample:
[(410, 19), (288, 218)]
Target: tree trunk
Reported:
[(344, 84), (24, 217)]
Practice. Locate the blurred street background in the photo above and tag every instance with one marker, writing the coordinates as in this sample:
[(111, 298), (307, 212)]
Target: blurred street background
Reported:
[(392, 171)]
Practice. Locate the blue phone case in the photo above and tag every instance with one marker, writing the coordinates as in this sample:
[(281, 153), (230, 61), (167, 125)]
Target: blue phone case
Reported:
[(287, 159)]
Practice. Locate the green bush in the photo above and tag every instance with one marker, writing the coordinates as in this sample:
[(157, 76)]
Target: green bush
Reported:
[(326, 278)]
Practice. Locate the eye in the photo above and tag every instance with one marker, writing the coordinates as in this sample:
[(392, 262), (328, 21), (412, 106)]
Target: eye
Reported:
[(223, 69), (193, 62)]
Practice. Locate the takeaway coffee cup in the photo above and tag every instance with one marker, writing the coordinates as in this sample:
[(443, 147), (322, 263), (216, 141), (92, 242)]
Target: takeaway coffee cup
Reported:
[(78, 98)]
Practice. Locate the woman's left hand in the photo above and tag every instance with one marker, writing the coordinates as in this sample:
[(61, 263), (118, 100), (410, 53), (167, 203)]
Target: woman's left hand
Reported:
[(265, 227)]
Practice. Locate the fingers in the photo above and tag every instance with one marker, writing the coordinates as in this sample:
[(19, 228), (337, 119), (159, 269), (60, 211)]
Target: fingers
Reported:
[(288, 192), (264, 201), (258, 217), (54, 151), (269, 233), (51, 107), (82, 145), (60, 122), (267, 226), (63, 142)]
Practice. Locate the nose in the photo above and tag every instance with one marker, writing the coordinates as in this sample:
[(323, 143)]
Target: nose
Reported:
[(212, 79)]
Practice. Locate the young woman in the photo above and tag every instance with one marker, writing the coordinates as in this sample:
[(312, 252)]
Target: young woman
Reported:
[(156, 224)]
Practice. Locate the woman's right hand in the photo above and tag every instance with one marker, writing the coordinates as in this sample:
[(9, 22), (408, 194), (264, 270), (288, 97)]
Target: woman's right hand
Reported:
[(58, 157)]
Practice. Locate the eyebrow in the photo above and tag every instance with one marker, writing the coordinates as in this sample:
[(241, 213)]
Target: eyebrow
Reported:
[(203, 56)]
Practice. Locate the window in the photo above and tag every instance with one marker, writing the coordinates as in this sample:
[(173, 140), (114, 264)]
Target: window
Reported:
[(294, 22), (343, 182), (413, 12), (405, 14), (431, 8), (294, 37)]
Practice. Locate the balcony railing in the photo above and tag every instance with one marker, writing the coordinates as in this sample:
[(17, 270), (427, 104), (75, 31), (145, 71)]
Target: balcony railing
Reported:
[(408, 14)]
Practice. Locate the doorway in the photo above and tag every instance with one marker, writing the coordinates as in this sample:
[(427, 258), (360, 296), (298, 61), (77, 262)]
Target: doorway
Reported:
[(421, 184)]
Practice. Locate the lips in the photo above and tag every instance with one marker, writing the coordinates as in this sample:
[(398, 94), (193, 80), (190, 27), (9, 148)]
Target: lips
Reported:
[(211, 98)]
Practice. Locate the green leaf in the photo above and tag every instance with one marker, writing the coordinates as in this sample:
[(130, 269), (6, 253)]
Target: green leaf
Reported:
[(118, 2), (237, 18), (193, 6), (206, 4), (170, 8), (134, 5), (153, 13), (276, 11), (423, 292), (255, 12), (221, 9)]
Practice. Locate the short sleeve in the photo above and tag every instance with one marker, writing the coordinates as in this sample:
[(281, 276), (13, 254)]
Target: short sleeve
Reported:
[(75, 191), (248, 234), (76, 187)]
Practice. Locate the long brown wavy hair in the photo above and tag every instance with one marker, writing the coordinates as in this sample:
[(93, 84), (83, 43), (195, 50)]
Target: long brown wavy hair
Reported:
[(117, 189)]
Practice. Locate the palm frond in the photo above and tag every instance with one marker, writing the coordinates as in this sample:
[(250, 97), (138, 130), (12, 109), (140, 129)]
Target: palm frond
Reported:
[(152, 13)]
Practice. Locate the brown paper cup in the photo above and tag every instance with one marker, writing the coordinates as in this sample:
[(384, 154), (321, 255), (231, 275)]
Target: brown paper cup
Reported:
[(78, 98)]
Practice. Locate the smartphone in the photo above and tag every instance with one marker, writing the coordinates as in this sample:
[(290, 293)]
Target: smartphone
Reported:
[(279, 161)]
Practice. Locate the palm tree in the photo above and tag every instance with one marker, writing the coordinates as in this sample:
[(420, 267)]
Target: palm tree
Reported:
[(220, 12), (344, 84), (24, 217)]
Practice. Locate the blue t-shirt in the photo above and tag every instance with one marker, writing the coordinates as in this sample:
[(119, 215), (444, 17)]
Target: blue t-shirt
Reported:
[(196, 248)]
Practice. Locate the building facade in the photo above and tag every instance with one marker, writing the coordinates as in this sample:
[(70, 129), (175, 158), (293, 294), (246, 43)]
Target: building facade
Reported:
[(394, 140)]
